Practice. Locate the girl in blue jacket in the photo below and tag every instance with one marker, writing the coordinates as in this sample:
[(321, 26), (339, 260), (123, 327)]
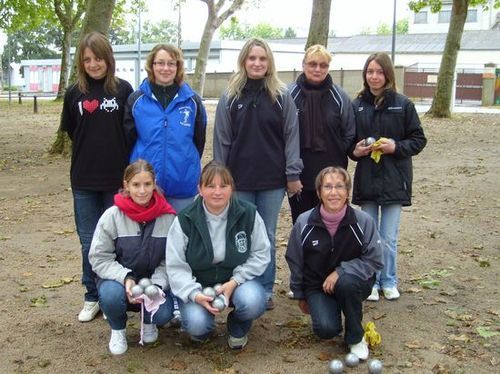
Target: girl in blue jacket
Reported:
[(170, 122)]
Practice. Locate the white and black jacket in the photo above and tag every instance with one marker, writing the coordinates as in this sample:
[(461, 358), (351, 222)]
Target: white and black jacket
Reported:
[(312, 254), (122, 247)]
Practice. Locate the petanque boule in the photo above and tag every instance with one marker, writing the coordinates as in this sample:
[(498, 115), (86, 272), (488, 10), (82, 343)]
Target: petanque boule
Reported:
[(219, 303), (375, 367), (369, 141), (144, 282), (351, 360), (336, 367), (151, 291), (137, 290), (209, 291), (218, 288)]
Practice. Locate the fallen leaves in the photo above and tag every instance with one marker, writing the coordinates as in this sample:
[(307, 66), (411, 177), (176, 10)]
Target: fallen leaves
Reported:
[(485, 332), (38, 301), (57, 283)]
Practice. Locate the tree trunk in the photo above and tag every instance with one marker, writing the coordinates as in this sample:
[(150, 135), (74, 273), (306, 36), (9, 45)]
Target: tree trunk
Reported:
[(442, 98), (65, 63), (97, 18), (214, 20), (68, 16), (320, 23)]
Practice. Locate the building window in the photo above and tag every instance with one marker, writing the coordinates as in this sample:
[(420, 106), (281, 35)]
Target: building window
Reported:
[(421, 17), (444, 16), (471, 15)]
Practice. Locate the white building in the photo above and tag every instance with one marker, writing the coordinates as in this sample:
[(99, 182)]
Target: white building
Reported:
[(478, 18)]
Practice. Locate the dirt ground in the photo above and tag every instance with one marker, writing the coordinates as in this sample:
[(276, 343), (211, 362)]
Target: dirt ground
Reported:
[(446, 321)]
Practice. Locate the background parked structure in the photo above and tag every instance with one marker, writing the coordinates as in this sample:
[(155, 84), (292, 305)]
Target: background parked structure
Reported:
[(418, 57)]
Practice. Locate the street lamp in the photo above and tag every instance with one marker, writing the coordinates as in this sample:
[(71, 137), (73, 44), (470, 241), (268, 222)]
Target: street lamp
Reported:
[(393, 34), (138, 70)]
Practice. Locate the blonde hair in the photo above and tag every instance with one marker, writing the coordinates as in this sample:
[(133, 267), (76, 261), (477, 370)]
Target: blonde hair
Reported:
[(333, 170), (100, 46), (175, 53), (272, 84), (317, 50)]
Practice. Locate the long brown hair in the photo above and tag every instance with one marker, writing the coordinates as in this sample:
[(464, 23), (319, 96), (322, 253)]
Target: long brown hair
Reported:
[(101, 47), (385, 63)]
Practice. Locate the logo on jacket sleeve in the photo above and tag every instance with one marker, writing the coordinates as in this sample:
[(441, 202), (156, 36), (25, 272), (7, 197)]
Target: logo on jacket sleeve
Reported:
[(240, 239), (185, 113)]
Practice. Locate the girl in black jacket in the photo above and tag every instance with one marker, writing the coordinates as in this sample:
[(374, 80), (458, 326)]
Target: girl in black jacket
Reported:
[(384, 172)]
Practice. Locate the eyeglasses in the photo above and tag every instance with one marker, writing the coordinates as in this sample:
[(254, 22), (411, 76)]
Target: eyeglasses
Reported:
[(337, 187), (162, 64), (314, 65)]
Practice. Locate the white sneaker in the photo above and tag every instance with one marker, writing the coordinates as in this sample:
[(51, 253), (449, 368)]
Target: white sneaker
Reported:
[(118, 342), (391, 293), (89, 311), (237, 343), (290, 295), (374, 295), (360, 349), (150, 333)]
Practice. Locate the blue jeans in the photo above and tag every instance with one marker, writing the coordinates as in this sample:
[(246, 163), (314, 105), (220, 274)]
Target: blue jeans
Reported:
[(326, 310), (88, 207), (179, 204), (268, 204), (387, 219), (114, 304), (248, 301)]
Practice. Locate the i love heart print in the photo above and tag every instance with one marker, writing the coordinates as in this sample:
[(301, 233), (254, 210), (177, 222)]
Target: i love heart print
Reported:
[(90, 105)]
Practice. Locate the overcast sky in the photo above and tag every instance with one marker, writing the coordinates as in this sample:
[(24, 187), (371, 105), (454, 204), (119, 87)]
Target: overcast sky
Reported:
[(347, 17)]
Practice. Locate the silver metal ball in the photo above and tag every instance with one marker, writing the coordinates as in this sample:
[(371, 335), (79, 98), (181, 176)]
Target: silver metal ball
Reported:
[(144, 282), (219, 303), (218, 288), (209, 291), (137, 290), (151, 291), (351, 360), (335, 367), (375, 367), (369, 141)]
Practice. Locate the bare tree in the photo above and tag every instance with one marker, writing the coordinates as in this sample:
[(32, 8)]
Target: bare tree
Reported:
[(320, 23), (216, 16)]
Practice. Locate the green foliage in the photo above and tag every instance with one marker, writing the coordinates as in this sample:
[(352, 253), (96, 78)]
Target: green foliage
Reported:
[(28, 15), (435, 5), (26, 44), (237, 31), (160, 32), (401, 28)]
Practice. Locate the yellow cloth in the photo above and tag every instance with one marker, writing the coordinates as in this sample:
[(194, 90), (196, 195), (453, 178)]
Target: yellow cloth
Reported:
[(377, 154), (372, 337)]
